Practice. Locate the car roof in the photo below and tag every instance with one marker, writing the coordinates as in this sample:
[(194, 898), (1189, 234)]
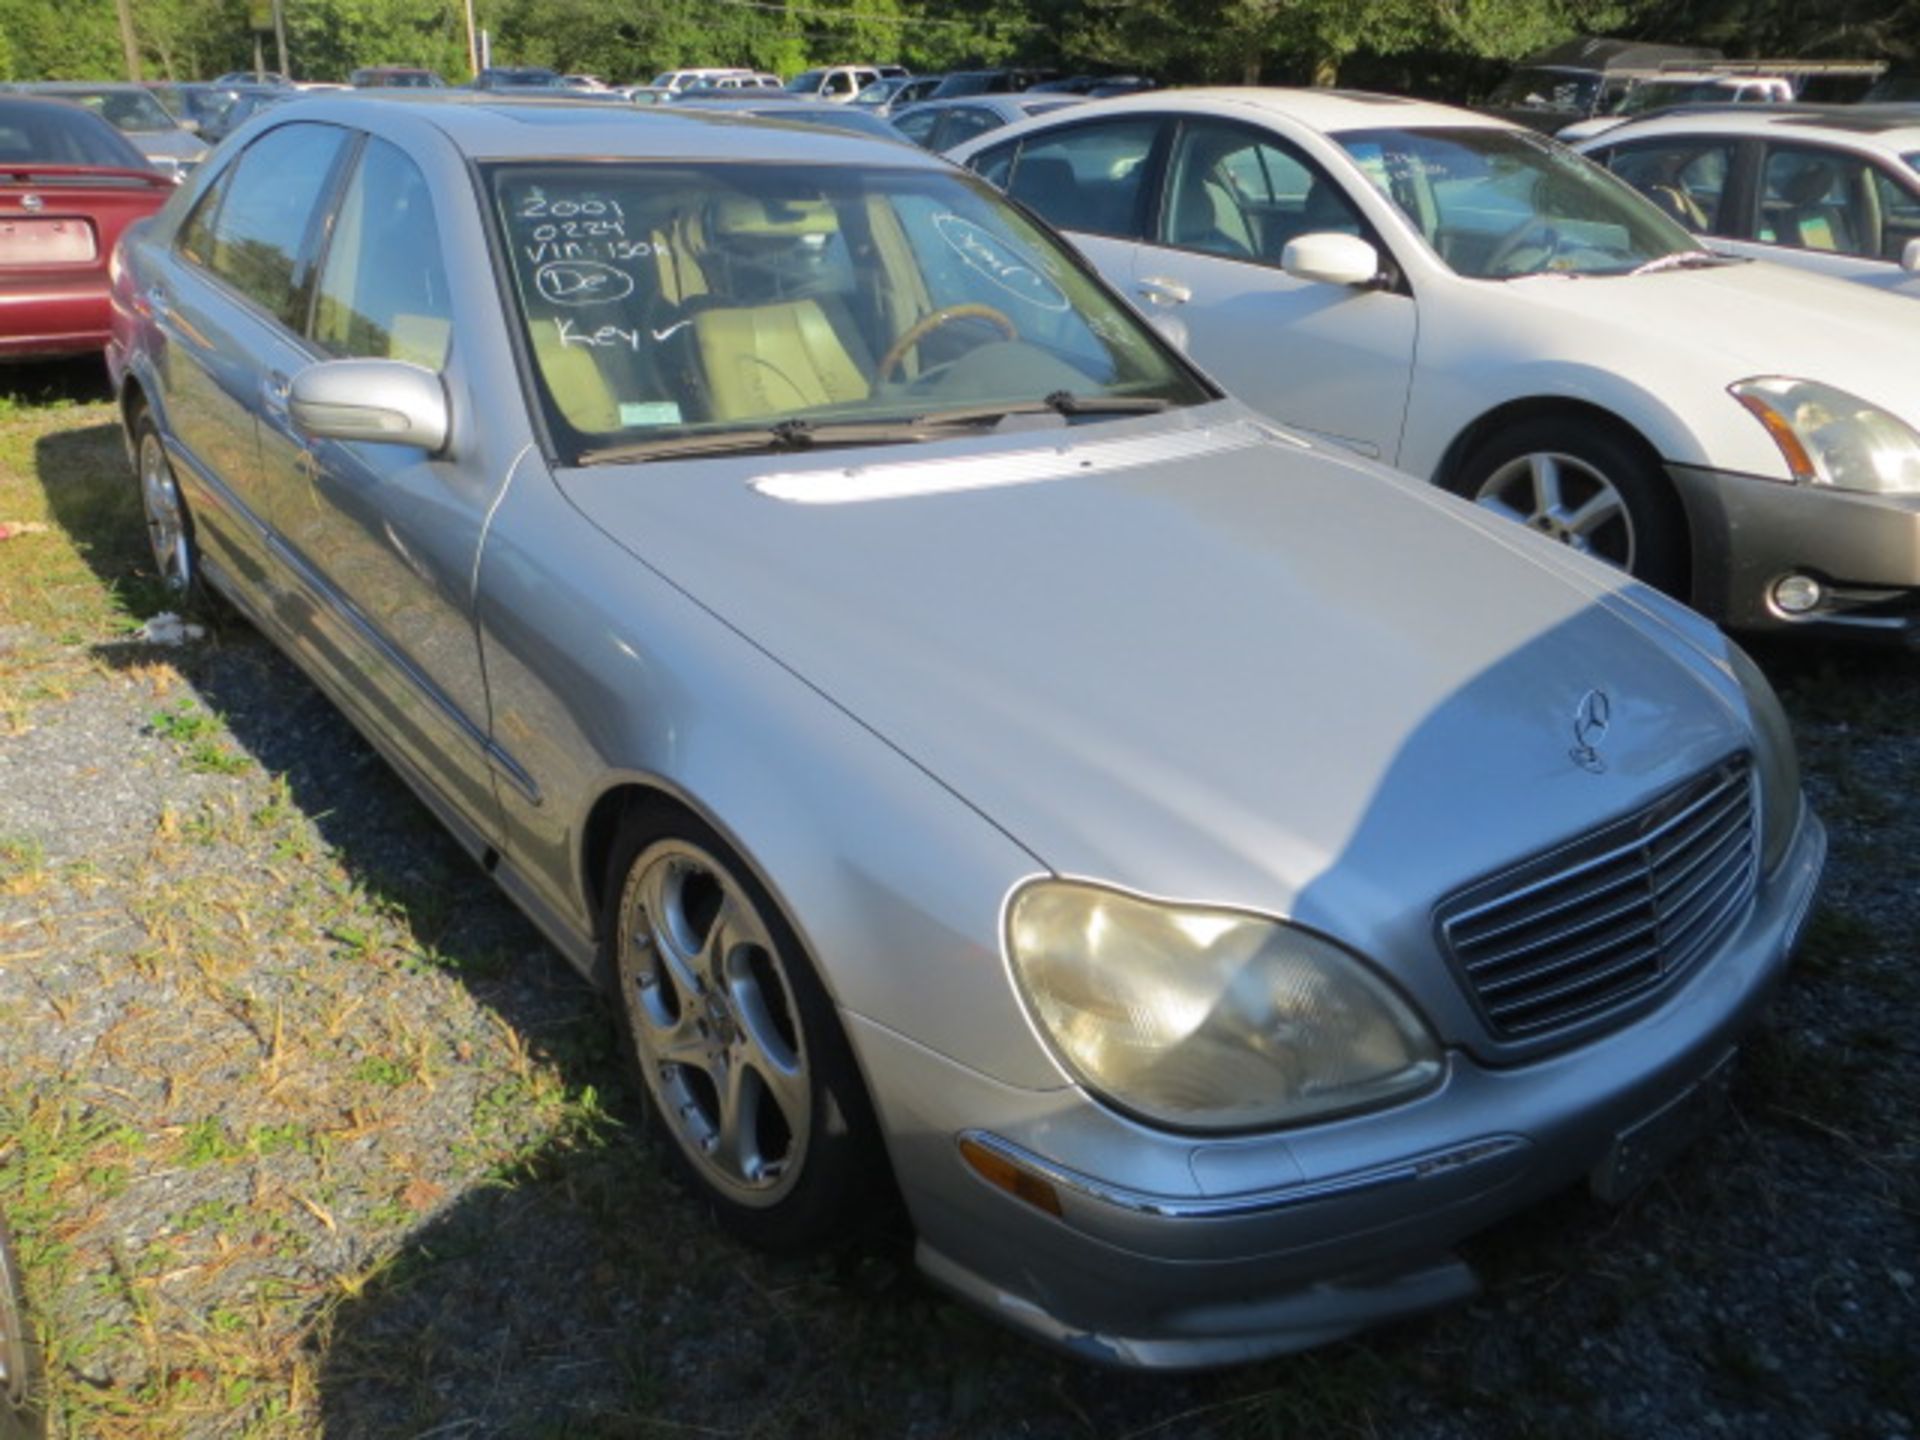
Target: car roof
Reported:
[(525, 127), (1318, 109), (79, 87), (1894, 127)]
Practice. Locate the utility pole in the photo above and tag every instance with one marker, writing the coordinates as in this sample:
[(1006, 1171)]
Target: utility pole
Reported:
[(279, 35), (473, 43), (128, 44)]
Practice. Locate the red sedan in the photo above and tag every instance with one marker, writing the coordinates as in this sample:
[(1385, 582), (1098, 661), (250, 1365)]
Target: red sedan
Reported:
[(69, 184)]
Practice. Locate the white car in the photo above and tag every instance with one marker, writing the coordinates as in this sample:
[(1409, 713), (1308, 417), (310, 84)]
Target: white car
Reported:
[(1474, 303), (838, 83), (1830, 189), (697, 78)]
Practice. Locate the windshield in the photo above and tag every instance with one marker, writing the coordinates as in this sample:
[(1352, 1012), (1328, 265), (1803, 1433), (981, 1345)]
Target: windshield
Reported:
[(680, 301), (1500, 203), (133, 112), (807, 82), (1548, 90)]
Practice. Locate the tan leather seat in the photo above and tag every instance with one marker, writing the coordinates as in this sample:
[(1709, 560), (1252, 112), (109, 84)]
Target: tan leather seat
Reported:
[(767, 360)]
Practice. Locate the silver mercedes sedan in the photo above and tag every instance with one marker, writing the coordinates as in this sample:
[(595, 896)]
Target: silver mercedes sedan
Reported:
[(1205, 875)]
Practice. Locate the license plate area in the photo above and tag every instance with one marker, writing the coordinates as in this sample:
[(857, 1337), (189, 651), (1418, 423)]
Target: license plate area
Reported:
[(1644, 1148), (47, 242)]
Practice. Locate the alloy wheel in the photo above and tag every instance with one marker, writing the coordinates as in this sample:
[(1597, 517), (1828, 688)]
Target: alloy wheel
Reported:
[(166, 516), (715, 1023), (1564, 498)]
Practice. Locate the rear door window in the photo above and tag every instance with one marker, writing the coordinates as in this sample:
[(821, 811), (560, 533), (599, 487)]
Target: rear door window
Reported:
[(1088, 177)]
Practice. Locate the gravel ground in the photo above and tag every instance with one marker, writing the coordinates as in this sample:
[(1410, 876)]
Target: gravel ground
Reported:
[(304, 1131)]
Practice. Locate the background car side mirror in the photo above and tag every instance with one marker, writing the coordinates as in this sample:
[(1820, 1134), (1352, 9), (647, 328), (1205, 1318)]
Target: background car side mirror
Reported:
[(1910, 257), (188, 124), (1331, 258), (389, 402)]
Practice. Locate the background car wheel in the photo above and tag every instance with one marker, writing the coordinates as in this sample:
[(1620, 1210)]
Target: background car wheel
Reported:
[(22, 1417), (1587, 486), (741, 1056), (176, 555)]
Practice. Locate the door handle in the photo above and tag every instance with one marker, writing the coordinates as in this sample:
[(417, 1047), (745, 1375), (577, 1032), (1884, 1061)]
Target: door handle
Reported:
[(1164, 292), (158, 303)]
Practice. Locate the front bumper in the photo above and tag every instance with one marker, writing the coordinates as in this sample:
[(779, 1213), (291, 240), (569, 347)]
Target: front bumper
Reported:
[(1174, 1252), (1749, 533)]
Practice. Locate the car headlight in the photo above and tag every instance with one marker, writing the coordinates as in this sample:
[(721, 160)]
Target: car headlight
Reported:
[(1210, 1019), (1775, 758), (1829, 437)]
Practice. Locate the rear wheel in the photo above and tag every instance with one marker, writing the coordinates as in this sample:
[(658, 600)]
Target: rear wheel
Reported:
[(176, 556), (1587, 486), (740, 1054)]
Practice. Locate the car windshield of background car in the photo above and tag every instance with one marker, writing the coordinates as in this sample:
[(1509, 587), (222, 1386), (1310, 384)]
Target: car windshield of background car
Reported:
[(665, 300), (1497, 203), (1656, 94), (134, 112), (1547, 90)]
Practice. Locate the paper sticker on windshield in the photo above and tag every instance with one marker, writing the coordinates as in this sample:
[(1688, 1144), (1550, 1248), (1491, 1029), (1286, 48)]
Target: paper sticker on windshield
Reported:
[(657, 412), (997, 258)]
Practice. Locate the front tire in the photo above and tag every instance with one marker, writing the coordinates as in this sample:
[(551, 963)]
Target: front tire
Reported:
[(739, 1052), (1588, 486)]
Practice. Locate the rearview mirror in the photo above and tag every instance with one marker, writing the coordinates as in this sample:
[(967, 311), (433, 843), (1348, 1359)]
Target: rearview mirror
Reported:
[(1331, 258), (1910, 258), (389, 402)]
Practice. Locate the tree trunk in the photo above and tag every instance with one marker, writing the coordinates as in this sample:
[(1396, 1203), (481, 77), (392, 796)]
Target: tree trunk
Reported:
[(129, 45), (1326, 71)]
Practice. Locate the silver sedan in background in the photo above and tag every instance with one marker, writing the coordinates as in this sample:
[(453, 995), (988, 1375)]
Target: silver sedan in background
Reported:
[(1203, 873)]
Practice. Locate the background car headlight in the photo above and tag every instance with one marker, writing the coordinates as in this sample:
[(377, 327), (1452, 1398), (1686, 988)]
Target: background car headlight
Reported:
[(1210, 1019), (1775, 758), (1829, 437)]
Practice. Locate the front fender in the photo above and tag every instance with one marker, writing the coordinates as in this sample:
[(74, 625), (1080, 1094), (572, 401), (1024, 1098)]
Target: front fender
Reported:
[(602, 674)]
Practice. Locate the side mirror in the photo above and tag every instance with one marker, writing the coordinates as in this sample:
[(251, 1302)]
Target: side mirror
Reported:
[(389, 402), (1910, 258), (188, 124), (1331, 258)]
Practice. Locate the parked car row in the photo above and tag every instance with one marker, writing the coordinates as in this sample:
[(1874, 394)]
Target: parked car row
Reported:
[(1203, 872)]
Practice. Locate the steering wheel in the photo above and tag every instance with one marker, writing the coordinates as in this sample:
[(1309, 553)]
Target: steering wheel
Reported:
[(927, 324), (1516, 240)]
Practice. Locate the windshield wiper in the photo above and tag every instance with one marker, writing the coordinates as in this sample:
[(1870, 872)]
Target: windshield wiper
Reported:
[(811, 434), (1060, 402), (787, 435), (1683, 260)]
